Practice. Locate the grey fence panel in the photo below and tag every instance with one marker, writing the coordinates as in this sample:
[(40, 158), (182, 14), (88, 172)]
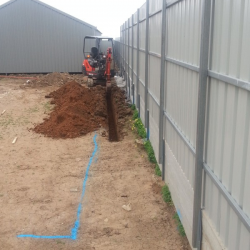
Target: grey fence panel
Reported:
[(155, 6), (142, 12), (225, 126)]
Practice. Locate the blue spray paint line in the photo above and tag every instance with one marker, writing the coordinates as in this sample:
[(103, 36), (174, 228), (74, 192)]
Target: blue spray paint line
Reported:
[(74, 230)]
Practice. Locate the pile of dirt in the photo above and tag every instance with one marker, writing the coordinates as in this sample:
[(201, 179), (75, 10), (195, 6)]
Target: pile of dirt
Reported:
[(53, 79), (78, 111), (50, 79)]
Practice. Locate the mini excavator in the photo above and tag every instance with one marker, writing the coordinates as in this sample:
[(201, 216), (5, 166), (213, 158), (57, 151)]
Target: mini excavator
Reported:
[(97, 66)]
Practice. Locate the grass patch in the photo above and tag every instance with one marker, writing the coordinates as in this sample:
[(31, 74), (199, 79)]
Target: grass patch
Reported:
[(179, 225), (47, 107), (150, 151), (133, 107), (139, 128), (8, 119), (166, 195), (157, 170), (135, 115), (33, 109)]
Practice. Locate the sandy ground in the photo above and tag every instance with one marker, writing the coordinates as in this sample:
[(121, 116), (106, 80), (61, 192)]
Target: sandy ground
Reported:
[(41, 181)]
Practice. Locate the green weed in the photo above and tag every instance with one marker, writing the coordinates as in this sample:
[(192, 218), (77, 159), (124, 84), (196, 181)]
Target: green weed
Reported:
[(150, 151), (166, 195), (133, 107), (135, 115), (140, 128), (157, 170), (179, 225)]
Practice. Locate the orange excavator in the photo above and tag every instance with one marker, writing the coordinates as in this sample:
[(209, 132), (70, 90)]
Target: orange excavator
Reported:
[(97, 65)]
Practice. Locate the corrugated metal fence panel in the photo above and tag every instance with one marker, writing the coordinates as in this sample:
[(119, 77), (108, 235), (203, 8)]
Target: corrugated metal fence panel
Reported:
[(135, 17), (231, 49), (181, 100), (184, 20), (154, 6), (142, 12), (155, 33), (228, 116), (47, 41), (229, 120), (182, 85)]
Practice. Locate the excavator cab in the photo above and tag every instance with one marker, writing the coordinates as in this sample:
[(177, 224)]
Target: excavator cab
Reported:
[(98, 62)]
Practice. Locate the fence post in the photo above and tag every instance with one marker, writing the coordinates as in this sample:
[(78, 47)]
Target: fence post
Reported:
[(201, 117), (146, 64), (124, 52), (162, 80), (125, 55), (120, 51), (163, 160), (128, 62), (137, 66), (132, 59)]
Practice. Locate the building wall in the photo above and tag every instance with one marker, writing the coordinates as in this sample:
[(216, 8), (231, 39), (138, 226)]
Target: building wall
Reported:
[(37, 39)]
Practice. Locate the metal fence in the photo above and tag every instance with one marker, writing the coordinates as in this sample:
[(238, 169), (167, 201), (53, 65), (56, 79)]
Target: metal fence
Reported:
[(186, 64)]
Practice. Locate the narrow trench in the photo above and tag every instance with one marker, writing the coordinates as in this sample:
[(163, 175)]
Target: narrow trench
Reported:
[(113, 132)]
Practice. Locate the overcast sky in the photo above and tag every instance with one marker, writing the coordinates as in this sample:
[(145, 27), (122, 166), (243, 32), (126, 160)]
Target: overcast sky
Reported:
[(107, 15)]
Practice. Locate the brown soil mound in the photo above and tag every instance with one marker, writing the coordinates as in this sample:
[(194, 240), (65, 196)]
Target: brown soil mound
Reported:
[(78, 111), (53, 79)]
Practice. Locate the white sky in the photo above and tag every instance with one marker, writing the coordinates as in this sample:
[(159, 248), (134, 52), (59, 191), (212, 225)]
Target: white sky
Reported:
[(107, 15)]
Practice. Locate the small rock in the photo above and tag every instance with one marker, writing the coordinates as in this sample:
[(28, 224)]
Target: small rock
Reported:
[(106, 220), (127, 207), (73, 190)]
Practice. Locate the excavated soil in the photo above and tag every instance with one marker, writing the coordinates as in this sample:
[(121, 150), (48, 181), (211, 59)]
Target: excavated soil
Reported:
[(52, 79), (80, 110)]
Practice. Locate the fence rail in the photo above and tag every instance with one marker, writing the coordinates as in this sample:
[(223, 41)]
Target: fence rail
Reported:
[(186, 64)]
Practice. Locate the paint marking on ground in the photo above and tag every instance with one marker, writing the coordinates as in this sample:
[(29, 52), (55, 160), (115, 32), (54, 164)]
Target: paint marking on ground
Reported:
[(74, 230)]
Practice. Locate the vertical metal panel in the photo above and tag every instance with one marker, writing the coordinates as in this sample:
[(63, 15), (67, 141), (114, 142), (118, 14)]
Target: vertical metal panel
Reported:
[(231, 43), (142, 12), (182, 85), (155, 33), (142, 32), (184, 20), (48, 40), (154, 6), (228, 127), (142, 68), (154, 75)]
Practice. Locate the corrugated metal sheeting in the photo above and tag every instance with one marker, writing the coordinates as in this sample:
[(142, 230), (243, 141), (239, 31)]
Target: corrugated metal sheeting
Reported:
[(37, 38), (226, 161)]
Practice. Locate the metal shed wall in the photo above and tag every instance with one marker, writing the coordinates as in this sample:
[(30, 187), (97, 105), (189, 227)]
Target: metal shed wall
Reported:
[(36, 38)]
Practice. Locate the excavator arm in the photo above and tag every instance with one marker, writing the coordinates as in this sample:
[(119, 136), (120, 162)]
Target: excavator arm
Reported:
[(108, 67)]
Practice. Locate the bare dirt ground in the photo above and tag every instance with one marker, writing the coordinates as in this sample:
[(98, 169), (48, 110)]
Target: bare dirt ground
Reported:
[(41, 180)]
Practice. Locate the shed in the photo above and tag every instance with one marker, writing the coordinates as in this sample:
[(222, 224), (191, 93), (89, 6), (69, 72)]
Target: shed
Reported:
[(37, 38)]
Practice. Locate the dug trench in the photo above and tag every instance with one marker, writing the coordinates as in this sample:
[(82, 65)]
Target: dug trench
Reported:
[(112, 117), (78, 110)]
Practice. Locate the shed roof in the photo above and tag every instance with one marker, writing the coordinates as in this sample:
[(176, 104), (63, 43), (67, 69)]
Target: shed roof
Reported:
[(54, 9)]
